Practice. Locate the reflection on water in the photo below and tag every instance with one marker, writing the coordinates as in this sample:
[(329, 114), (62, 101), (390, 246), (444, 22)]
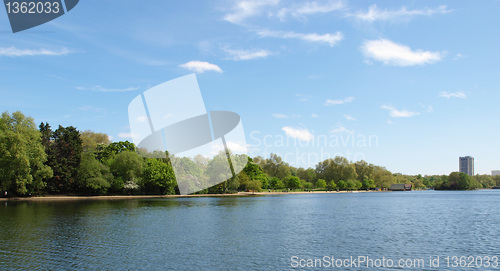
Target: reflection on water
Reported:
[(241, 233)]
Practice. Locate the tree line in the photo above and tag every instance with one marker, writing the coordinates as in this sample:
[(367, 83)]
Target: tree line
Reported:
[(40, 160)]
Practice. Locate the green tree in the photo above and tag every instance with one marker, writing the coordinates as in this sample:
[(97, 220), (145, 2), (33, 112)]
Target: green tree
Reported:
[(368, 184), (336, 169), (308, 175), (276, 167), (383, 178), (307, 185), (127, 168), (332, 185), (22, 155), (459, 180), (485, 181), (320, 183), (255, 172), (342, 185), (158, 178), (117, 147), (92, 140), (253, 185), (233, 183), (293, 182), (276, 183), (497, 180), (351, 185), (64, 152), (246, 183), (364, 170), (195, 178), (94, 178)]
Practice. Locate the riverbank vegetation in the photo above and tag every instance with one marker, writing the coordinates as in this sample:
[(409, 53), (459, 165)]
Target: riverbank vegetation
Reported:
[(40, 161)]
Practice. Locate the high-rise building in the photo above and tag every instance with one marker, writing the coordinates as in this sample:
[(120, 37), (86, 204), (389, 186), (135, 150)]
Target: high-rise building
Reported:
[(466, 165), (495, 172)]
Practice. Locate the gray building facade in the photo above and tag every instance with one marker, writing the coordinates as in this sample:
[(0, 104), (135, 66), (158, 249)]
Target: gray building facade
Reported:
[(466, 165)]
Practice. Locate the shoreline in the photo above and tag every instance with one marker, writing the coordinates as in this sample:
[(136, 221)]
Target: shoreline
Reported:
[(126, 197)]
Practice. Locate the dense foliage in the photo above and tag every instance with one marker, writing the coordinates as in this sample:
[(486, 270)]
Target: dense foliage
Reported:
[(66, 161)]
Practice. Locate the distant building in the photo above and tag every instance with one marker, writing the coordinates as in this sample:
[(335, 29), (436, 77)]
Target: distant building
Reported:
[(495, 172), (466, 165), (400, 187)]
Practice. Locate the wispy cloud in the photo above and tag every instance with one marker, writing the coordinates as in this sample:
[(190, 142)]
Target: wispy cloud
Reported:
[(235, 147), (375, 14), (200, 66), (341, 129), (448, 95), (349, 117), (314, 115), (246, 9), (395, 113), (428, 108), (247, 54), (458, 56), (16, 52), (280, 116), (391, 53), (303, 98), (337, 102), (301, 134), (331, 38), (127, 135), (103, 89), (309, 8)]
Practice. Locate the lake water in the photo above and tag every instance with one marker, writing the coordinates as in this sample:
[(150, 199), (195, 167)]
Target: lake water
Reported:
[(279, 232)]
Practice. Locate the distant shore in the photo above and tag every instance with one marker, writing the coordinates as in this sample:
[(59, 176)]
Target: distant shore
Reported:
[(124, 197)]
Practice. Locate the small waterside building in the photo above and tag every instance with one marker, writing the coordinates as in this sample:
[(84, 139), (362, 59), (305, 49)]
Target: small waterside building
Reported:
[(400, 187)]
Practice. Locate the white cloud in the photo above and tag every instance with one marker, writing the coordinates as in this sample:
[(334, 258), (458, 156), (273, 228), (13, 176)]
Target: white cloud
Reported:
[(336, 102), (330, 39), (458, 56), (127, 135), (314, 115), (280, 116), (341, 129), (428, 108), (301, 134), (303, 98), (391, 53), (448, 95), (349, 117), (234, 147), (395, 113), (103, 89), (200, 66), (15, 52), (376, 14), (247, 54), (246, 9), (309, 8)]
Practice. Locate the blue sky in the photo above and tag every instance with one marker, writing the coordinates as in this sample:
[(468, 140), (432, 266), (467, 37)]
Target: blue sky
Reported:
[(410, 85)]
